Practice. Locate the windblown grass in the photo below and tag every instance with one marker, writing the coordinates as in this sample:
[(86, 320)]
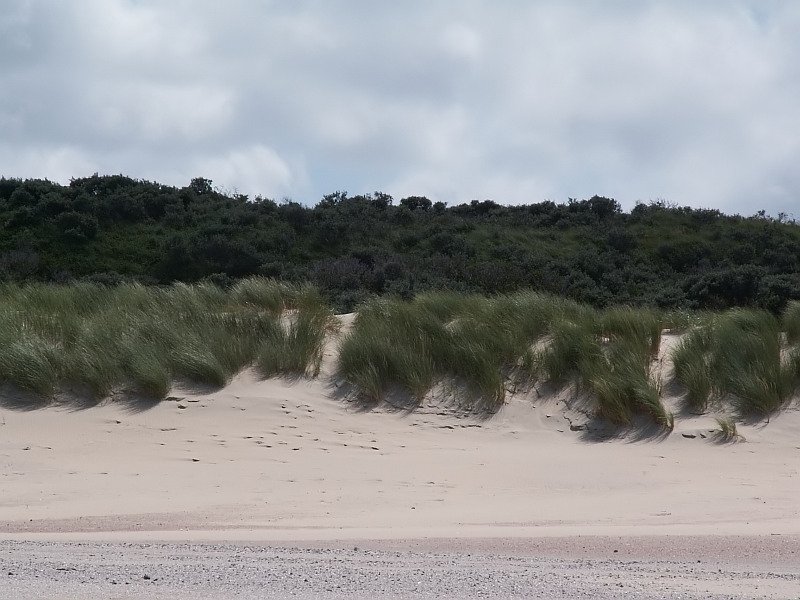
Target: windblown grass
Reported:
[(791, 322), (623, 385), (470, 339), (738, 357), (100, 339), (296, 348), (727, 431), (392, 343), (486, 342), (637, 325), (691, 363)]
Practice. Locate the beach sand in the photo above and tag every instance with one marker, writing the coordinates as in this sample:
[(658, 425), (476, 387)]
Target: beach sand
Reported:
[(302, 476)]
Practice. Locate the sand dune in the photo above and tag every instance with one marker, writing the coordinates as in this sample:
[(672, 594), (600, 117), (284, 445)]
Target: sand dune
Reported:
[(288, 461)]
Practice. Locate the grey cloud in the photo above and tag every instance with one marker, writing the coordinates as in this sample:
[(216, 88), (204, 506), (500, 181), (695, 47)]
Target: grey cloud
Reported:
[(515, 101)]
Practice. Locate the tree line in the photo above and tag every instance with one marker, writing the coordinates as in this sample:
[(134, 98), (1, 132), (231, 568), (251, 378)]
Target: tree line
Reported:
[(115, 228)]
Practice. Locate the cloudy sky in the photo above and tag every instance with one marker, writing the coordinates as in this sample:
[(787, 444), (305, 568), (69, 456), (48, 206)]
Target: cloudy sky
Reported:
[(696, 103)]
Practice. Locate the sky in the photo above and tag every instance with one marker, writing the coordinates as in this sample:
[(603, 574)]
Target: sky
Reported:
[(693, 103)]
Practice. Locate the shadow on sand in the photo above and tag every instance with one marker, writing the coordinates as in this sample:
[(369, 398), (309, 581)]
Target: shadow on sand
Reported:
[(14, 398), (453, 397), (74, 399)]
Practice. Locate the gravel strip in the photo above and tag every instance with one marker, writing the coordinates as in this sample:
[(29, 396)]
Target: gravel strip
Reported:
[(183, 571)]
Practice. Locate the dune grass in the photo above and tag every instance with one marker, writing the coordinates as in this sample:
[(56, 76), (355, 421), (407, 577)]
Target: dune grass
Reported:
[(622, 383), (727, 431), (634, 324), (691, 363), (791, 322), (96, 341), (740, 358), (99, 339), (487, 342), (472, 340)]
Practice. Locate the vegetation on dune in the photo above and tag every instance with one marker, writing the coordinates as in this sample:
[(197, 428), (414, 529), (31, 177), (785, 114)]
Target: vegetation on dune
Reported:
[(114, 228), (485, 342), (96, 340), (100, 339), (727, 431), (737, 359), (691, 363), (112, 283), (740, 357)]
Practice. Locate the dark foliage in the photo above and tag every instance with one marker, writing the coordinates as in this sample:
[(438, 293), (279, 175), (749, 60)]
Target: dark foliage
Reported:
[(115, 228)]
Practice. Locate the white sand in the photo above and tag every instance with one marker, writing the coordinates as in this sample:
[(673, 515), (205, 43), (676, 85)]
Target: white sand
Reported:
[(276, 461), (290, 462)]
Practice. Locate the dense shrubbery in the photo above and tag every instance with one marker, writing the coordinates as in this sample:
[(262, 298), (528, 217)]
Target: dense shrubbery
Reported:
[(113, 228)]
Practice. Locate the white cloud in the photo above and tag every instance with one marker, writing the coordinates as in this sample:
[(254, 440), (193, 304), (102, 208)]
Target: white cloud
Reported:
[(131, 111), (514, 101), (57, 163), (252, 168), (462, 41)]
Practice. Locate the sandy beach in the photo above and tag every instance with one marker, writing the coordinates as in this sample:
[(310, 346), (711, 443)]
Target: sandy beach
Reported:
[(304, 477)]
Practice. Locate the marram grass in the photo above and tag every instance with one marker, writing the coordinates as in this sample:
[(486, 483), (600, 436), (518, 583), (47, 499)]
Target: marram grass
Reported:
[(740, 358), (98, 340), (142, 339), (486, 342)]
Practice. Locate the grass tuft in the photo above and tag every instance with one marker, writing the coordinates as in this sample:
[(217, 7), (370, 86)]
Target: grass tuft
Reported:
[(102, 339), (691, 364), (727, 431)]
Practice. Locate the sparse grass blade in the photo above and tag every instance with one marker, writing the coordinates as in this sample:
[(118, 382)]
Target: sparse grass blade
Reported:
[(727, 431)]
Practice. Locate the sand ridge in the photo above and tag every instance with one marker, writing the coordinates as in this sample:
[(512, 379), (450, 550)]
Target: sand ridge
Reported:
[(288, 455), (290, 486)]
